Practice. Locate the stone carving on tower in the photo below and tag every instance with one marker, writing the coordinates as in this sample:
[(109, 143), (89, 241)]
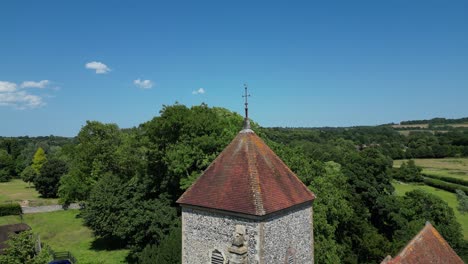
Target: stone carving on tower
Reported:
[(238, 248)]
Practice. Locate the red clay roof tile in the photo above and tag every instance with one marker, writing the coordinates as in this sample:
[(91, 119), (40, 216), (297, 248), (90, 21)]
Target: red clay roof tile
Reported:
[(428, 246), (249, 178)]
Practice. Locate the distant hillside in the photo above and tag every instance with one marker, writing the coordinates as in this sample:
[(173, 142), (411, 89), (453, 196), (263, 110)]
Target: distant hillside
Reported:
[(437, 121)]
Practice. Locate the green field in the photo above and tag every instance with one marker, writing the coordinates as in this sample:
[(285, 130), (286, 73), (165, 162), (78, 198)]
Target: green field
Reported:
[(64, 231), (448, 167), (450, 198), (18, 191)]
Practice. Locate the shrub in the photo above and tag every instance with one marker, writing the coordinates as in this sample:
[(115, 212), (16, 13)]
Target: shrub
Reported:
[(447, 179), (408, 172), (451, 187), (462, 201), (10, 209)]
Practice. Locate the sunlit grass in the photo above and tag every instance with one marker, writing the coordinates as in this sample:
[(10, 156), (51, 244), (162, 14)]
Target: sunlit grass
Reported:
[(448, 167), (64, 231), (17, 190)]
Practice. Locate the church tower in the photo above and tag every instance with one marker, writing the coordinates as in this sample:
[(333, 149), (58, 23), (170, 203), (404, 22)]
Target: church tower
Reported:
[(247, 207)]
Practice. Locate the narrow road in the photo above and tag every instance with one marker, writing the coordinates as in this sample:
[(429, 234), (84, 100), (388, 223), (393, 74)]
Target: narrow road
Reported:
[(48, 208)]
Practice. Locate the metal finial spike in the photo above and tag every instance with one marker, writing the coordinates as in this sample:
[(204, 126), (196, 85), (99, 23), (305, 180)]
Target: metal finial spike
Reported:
[(246, 119)]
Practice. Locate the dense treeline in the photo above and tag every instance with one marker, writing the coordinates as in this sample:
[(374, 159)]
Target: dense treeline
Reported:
[(388, 140), (448, 179), (437, 121), (357, 219), (129, 180), (16, 153), (451, 187)]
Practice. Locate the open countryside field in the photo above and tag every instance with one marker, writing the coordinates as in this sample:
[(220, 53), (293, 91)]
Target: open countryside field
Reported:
[(450, 198), (64, 231), (449, 167), (411, 126), (19, 191)]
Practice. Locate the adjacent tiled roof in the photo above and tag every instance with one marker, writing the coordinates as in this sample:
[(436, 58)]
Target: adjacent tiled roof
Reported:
[(249, 178), (428, 246)]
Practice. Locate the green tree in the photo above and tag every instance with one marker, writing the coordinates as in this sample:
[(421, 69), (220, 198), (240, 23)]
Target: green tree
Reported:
[(7, 167), (47, 182), (409, 172), (22, 250), (92, 156), (39, 160), (462, 201), (169, 251), (125, 210), (28, 174), (183, 141), (418, 207), (331, 212)]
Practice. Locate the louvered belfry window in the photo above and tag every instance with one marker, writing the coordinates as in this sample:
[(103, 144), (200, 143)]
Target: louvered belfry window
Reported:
[(290, 256), (217, 257)]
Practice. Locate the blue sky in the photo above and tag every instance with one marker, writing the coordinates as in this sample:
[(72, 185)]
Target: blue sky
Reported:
[(309, 63)]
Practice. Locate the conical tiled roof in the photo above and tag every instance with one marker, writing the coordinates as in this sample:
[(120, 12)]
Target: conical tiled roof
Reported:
[(248, 178), (428, 246)]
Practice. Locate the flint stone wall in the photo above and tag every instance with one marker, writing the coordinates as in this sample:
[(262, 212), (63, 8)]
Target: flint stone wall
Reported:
[(269, 241), (289, 234), (205, 231)]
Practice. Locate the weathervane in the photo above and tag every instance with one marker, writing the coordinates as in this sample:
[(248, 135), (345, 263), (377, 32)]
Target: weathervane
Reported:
[(246, 120)]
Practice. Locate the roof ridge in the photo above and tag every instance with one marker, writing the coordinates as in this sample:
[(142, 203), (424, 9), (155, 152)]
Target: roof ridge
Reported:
[(254, 181)]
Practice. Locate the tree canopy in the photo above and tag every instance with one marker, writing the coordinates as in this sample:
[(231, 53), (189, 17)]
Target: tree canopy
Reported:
[(129, 179)]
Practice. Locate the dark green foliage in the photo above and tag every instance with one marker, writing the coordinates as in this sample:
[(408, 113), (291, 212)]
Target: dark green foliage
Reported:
[(169, 251), (375, 222), (28, 174), (184, 141), (10, 209), (7, 166), (437, 121), (408, 172), (130, 179), (47, 182), (125, 210), (22, 250), (447, 179), (332, 211), (418, 207), (462, 199), (93, 155), (419, 144), (451, 187), (22, 149)]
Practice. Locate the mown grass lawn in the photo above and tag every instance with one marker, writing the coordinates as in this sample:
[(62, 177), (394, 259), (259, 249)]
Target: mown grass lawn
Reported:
[(450, 198), (17, 190), (64, 231)]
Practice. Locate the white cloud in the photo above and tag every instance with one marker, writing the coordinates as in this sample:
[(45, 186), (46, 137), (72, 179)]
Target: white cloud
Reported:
[(31, 84), (7, 87), (99, 67), (199, 91), (20, 99), (144, 84)]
